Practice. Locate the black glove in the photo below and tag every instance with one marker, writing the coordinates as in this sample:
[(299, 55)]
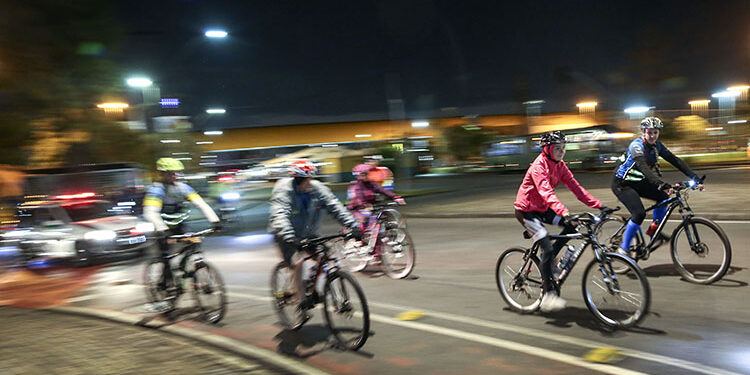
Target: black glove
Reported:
[(293, 242), (217, 226), (357, 233)]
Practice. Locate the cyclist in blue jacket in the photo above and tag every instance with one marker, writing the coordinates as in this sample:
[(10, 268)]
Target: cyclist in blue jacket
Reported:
[(639, 176)]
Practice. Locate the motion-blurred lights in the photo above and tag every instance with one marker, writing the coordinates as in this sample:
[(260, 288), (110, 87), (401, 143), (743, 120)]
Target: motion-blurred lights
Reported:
[(714, 129), (420, 124), (362, 135), (170, 141), (737, 122), (738, 88), (587, 105), (726, 94), (213, 132), (216, 33), (620, 135), (112, 105), (699, 101), (169, 102), (139, 82), (637, 109), (204, 143), (216, 111)]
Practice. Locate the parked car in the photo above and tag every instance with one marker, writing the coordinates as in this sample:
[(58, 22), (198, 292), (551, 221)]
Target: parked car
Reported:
[(77, 229)]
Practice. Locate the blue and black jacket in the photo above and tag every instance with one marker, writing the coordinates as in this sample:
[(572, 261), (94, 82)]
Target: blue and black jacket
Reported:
[(642, 163)]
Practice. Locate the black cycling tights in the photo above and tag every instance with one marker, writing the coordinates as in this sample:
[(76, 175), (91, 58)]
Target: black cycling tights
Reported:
[(630, 193)]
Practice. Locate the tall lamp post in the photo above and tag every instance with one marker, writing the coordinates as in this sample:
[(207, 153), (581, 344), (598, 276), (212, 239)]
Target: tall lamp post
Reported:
[(149, 96)]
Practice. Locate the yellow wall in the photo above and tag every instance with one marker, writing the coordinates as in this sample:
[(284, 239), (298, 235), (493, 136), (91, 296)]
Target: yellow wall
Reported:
[(274, 136)]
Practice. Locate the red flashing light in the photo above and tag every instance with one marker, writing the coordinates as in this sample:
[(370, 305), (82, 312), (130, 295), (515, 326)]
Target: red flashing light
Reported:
[(87, 194), (226, 179)]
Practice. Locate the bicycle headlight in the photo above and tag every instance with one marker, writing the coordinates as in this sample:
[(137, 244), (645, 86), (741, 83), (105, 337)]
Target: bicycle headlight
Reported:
[(100, 235), (691, 183)]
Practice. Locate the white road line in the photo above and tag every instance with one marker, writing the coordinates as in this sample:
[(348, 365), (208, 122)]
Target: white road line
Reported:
[(675, 362), (492, 341)]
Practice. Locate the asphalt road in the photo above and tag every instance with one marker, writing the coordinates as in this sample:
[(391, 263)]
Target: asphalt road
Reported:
[(692, 329)]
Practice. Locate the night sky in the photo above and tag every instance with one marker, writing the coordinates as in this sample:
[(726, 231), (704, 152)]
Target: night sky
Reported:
[(316, 61)]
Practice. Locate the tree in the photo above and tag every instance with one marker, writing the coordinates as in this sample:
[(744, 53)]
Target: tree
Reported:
[(56, 64), (465, 142)]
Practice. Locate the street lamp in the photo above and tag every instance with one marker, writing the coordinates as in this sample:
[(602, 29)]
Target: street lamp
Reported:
[(420, 124), (213, 132), (216, 33), (139, 82), (636, 112), (216, 111), (742, 89), (699, 107), (586, 107)]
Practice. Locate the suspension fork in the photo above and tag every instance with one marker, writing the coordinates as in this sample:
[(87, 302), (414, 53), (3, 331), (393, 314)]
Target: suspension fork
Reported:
[(687, 213)]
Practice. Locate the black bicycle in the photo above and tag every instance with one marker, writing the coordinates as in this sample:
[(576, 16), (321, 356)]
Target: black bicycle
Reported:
[(619, 302), (345, 306), (700, 249), (193, 273)]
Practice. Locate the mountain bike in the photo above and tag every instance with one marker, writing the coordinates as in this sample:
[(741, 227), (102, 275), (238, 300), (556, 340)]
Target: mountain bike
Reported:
[(700, 249), (386, 241), (616, 301), (345, 306), (193, 273)]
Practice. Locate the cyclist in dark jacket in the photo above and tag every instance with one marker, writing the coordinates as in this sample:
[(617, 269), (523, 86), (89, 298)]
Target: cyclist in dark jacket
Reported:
[(639, 176)]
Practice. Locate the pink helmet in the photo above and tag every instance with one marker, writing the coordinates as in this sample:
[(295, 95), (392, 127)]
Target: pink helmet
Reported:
[(361, 168), (302, 168)]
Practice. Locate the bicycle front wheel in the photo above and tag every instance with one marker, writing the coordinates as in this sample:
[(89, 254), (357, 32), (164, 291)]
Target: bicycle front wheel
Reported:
[(346, 310), (609, 232), (701, 251), (209, 291), (284, 296), (617, 301), (519, 280), (398, 254)]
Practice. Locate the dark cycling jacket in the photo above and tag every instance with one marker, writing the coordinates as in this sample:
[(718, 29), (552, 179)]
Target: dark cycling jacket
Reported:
[(287, 217), (641, 162)]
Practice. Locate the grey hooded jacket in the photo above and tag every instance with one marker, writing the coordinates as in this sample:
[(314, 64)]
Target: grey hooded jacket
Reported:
[(285, 221)]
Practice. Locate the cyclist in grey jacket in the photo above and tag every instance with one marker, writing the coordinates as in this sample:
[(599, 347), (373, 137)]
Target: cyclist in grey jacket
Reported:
[(296, 203)]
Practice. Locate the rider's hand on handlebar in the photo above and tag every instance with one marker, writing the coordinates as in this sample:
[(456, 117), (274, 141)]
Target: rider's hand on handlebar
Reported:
[(399, 200), (700, 187), (217, 226), (357, 233), (568, 219), (667, 188), (293, 241)]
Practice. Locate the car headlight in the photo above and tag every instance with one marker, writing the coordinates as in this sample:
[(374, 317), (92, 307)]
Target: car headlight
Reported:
[(100, 235), (144, 228), (230, 196)]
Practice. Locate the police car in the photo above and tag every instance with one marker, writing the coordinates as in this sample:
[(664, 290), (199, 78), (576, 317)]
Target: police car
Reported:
[(77, 229)]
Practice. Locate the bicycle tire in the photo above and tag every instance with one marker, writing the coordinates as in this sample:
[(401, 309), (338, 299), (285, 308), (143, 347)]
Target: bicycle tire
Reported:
[(351, 258), (609, 232), (507, 272), (616, 319), (284, 299), (208, 281), (694, 273), (394, 249), (152, 274), (341, 303)]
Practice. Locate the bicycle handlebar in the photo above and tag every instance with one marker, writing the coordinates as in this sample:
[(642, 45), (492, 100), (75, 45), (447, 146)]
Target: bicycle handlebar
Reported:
[(317, 240), (689, 184), (588, 216), (191, 235)]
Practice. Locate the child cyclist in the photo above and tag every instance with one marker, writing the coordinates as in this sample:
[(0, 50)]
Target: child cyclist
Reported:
[(536, 204), (362, 194)]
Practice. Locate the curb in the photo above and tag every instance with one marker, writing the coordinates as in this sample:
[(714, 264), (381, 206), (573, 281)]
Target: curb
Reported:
[(508, 215), (234, 347)]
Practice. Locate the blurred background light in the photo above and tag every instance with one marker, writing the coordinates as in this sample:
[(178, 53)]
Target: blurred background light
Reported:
[(216, 33), (139, 82)]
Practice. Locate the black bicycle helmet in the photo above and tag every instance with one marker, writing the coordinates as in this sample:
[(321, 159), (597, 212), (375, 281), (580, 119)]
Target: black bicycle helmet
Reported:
[(552, 137), (651, 123)]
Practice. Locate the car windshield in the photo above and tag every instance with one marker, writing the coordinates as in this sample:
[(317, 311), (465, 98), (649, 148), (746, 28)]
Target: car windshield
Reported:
[(33, 216), (82, 211)]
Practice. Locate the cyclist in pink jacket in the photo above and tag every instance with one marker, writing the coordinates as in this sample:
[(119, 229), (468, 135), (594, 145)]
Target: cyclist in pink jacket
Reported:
[(536, 204)]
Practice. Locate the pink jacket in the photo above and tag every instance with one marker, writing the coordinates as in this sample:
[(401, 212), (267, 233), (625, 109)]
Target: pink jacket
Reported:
[(537, 193)]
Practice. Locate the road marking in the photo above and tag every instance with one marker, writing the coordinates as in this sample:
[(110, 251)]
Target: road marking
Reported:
[(492, 341), (585, 343)]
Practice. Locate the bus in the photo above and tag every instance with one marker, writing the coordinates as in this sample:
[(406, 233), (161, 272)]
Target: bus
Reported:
[(596, 147)]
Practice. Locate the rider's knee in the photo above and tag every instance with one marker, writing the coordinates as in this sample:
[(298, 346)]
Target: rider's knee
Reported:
[(638, 217)]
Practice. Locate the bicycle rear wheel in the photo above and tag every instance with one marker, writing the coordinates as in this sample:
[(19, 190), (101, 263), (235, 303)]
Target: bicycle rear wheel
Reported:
[(284, 296), (346, 310), (152, 278), (701, 251), (617, 301), (519, 280), (351, 257), (398, 254), (209, 291)]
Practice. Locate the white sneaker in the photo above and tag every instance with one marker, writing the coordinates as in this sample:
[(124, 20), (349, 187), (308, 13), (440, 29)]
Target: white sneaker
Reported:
[(551, 302)]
